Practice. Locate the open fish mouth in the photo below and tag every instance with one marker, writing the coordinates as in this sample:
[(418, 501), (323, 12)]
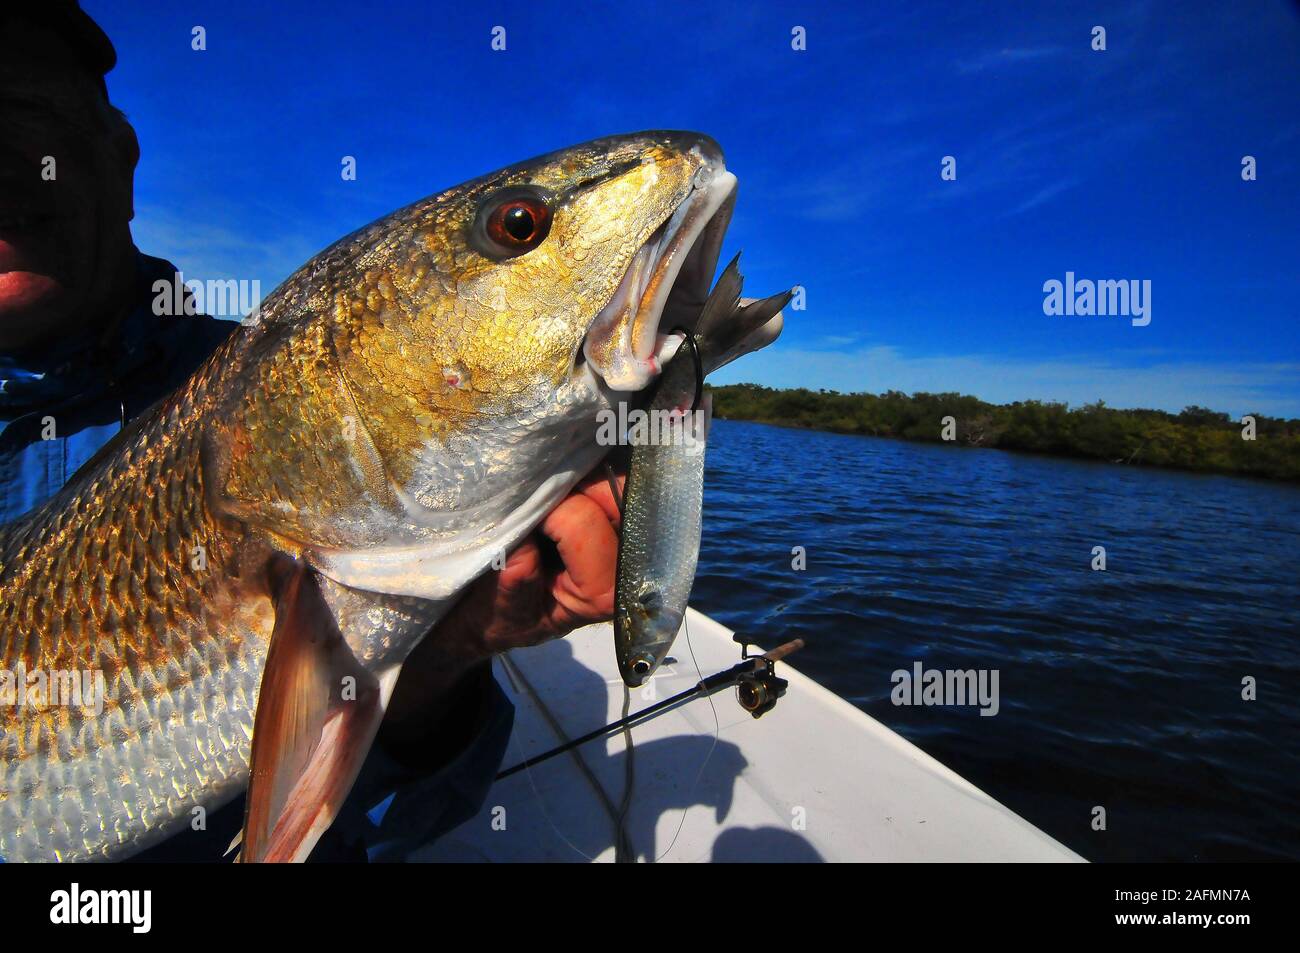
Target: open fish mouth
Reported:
[(666, 284)]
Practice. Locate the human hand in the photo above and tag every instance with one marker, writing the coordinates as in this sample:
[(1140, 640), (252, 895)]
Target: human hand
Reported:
[(559, 578)]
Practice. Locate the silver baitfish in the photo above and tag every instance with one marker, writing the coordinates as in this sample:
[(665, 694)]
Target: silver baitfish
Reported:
[(664, 494)]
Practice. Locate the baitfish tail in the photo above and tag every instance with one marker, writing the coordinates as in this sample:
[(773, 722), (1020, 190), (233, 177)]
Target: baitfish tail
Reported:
[(731, 326)]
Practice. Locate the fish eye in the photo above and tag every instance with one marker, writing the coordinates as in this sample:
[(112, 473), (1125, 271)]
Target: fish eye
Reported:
[(512, 222)]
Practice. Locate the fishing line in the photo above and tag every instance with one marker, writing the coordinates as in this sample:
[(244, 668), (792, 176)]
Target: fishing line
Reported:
[(757, 692), (623, 852), (613, 488), (623, 849), (686, 626), (717, 731), (516, 672)]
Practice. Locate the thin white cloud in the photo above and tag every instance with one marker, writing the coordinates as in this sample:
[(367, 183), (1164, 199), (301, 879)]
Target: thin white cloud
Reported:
[(838, 341), (1045, 194), (204, 249), (1008, 56)]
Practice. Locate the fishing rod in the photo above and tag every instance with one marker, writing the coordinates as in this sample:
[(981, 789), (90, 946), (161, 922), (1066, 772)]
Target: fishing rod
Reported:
[(754, 677)]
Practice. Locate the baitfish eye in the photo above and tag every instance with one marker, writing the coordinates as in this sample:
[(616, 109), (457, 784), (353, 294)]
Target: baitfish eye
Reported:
[(512, 222)]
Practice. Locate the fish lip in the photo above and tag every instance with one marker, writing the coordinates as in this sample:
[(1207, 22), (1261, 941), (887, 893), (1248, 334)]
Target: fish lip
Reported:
[(687, 260), (683, 252)]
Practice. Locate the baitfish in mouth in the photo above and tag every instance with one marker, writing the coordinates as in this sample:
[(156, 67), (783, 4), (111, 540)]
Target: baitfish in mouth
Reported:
[(663, 500)]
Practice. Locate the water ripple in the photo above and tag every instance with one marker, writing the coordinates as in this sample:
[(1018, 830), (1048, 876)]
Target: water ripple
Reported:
[(1119, 688)]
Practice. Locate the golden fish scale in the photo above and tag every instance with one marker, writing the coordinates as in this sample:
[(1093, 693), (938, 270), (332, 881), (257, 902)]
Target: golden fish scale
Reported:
[(419, 340), (422, 308), (130, 578), (422, 372), (297, 431)]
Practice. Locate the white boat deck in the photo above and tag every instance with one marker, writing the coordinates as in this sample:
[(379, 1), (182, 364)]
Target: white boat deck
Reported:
[(815, 779)]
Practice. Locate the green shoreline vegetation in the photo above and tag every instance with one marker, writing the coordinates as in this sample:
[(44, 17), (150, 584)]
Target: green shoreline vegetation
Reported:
[(1196, 439)]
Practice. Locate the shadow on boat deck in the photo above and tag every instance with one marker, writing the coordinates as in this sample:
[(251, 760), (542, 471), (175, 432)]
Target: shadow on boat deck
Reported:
[(671, 774)]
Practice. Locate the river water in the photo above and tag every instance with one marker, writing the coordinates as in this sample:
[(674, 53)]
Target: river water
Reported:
[(1119, 689)]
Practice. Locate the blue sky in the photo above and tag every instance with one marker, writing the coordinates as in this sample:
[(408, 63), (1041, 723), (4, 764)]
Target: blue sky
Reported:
[(1122, 164)]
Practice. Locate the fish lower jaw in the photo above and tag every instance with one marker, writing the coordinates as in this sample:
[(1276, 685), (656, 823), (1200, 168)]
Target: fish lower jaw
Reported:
[(626, 344), (628, 374)]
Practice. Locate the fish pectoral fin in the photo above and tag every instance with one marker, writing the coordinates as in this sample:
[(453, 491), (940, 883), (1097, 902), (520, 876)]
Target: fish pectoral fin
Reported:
[(317, 713)]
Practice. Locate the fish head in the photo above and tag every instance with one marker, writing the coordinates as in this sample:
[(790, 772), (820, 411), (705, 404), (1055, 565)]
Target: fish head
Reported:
[(644, 631), (550, 272), (546, 281), (437, 379)]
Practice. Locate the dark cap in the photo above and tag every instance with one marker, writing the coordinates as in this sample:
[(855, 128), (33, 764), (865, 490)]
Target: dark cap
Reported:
[(91, 45)]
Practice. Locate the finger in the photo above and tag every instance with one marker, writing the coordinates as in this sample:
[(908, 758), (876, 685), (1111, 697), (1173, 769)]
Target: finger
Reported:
[(523, 564), (595, 487), (588, 547)]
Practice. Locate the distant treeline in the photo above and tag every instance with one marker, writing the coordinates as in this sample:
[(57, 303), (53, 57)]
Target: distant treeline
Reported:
[(1196, 439)]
